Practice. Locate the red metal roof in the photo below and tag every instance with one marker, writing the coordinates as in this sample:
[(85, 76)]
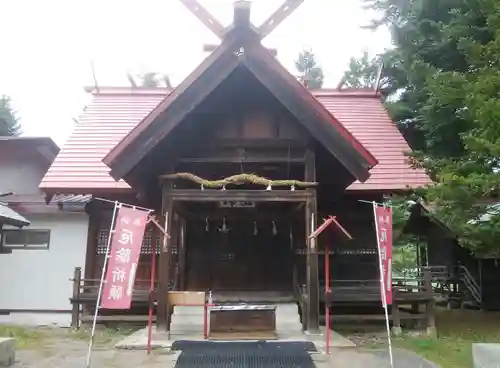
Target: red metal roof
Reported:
[(114, 112)]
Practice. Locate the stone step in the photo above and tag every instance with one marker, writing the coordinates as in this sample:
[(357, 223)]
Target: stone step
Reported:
[(288, 308), (181, 310), (189, 319), (7, 352)]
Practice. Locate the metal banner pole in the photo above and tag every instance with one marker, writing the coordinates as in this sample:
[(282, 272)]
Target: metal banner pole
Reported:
[(105, 263), (166, 249), (382, 283), (327, 292), (152, 286)]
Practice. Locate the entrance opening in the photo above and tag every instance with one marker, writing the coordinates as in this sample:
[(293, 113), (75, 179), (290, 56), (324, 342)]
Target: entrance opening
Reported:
[(241, 246)]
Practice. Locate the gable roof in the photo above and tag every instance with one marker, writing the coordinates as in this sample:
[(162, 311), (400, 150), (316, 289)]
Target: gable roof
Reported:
[(10, 217), (240, 48), (115, 111), (44, 147)]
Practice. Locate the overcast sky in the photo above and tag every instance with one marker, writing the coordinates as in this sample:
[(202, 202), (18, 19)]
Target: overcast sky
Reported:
[(47, 47)]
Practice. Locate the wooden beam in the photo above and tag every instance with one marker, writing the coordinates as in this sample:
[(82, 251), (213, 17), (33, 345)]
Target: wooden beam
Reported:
[(171, 112), (312, 275), (92, 233), (283, 12), (182, 254), (211, 195), (212, 47), (205, 17), (241, 155), (241, 17), (310, 113), (245, 216), (164, 264), (236, 160)]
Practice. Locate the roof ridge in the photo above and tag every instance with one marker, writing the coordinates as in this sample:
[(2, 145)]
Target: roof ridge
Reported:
[(126, 90), (149, 91)]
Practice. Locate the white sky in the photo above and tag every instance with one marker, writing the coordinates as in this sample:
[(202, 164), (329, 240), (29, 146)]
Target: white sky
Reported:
[(47, 47)]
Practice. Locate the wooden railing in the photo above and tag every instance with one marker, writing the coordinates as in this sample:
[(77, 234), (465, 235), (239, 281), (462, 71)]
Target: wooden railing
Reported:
[(300, 294), (85, 291), (409, 294)]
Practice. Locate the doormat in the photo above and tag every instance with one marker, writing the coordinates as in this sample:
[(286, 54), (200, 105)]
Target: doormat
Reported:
[(260, 354)]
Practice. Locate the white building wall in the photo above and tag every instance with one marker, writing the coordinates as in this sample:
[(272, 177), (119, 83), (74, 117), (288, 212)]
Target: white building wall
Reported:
[(21, 179), (38, 280)]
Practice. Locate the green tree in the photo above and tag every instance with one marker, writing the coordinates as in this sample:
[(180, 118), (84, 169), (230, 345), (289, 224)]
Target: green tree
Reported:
[(9, 123), (310, 72), (426, 47), (366, 71), (363, 72), (448, 104), (149, 80), (467, 184)]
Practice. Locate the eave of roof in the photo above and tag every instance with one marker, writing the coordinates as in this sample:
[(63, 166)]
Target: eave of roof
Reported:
[(10, 217), (114, 111), (45, 146), (204, 79)]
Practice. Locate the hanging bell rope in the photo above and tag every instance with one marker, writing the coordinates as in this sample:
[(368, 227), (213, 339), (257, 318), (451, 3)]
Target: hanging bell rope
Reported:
[(240, 179)]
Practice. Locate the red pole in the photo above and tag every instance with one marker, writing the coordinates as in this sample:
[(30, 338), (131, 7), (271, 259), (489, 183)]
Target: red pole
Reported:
[(151, 291), (205, 313), (327, 291)]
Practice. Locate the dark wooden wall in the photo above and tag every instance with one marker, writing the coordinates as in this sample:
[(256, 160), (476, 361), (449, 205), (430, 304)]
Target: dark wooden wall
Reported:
[(238, 260), (490, 279), (99, 226), (354, 259), (270, 257)]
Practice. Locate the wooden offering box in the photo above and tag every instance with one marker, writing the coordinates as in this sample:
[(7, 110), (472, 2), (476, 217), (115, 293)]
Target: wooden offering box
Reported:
[(186, 298), (243, 322)]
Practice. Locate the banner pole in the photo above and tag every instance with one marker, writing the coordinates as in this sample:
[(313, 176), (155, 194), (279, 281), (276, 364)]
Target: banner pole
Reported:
[(382, 283), (166, 249), (98, 302), (151, 292)]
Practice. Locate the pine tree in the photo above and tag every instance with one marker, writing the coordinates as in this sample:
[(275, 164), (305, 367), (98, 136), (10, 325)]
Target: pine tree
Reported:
[(310, 72), (9, 123), (448, 106)]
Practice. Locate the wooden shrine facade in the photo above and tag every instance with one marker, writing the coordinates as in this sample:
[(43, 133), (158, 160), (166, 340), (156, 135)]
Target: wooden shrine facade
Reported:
[(242, 118), (241, 162)]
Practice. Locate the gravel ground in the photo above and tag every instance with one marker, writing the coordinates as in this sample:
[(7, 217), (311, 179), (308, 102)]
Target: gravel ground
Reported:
[(73, 354), (65, 352)]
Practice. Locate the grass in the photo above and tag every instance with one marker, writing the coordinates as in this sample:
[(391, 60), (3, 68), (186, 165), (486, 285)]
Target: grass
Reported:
[(26, 338), (102, 336), (35, 338), (457, 331)]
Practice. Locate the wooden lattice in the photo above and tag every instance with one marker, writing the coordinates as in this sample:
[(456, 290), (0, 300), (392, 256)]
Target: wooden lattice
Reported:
[(102, 242)]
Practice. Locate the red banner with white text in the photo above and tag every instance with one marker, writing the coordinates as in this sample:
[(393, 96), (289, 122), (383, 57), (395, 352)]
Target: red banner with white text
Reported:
[(126, 242), (383, 219)]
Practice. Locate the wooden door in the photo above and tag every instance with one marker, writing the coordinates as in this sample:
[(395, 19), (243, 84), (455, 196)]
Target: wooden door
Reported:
[(240, 259)]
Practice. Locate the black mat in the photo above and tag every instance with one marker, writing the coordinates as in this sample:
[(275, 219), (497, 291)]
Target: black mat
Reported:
[(259, 354)]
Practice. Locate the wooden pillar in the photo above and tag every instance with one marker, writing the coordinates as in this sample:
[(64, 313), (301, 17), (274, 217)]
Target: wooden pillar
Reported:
[(182, 254), (75, 302), (430, 304), (163, 317), (312, 248), (396, 313), (92, 234), (174, 244)]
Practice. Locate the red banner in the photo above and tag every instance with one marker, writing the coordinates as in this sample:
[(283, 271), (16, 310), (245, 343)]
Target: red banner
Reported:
[(383, 219), (126, 242)]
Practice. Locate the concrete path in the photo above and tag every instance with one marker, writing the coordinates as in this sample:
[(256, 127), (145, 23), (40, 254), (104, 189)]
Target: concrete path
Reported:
[(354, 358), (113, 358), (138, 340), (60, 352)]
